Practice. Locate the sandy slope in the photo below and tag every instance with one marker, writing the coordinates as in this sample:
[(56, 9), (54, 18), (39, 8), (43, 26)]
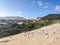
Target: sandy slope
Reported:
[(49, 35)]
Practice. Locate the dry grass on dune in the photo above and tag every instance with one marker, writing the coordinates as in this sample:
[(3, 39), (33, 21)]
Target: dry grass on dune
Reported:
[(49, 35)]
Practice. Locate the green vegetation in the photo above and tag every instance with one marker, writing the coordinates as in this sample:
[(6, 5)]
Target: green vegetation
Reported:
[(13, 29), (51, 17)]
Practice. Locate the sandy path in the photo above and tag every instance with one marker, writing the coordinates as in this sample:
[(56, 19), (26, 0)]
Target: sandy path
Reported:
[(49, 35)]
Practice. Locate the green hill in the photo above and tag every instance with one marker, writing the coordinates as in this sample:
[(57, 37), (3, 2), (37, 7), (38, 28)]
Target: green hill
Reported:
[(51, 17), (12, 29)]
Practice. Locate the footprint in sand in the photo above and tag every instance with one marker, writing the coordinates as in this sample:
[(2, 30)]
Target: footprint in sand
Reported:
[(4, 41)]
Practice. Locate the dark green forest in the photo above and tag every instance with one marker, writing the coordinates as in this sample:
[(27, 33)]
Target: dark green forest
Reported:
[(51, 17)]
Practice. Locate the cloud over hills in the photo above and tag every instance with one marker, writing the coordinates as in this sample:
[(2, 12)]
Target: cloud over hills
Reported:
[(57, 7)]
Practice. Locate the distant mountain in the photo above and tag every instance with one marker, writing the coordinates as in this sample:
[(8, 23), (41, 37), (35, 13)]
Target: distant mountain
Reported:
[(8, 20), (39, 17), (12, 18), (51, 17)]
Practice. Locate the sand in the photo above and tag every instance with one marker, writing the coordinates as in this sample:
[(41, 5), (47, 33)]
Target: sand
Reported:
[(49, 35)]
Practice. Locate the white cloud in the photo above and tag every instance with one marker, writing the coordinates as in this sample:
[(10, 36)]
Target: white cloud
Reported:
[(48, 3), (40, 3), (57, 7), (46, 6), (18, 12), (33, 2)]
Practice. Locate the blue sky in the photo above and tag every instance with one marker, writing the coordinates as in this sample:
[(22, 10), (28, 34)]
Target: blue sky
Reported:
[(29, 8)]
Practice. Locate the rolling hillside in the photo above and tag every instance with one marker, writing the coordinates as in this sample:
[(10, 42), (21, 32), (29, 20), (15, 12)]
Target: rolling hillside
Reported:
[(49, 35), (51, 17)]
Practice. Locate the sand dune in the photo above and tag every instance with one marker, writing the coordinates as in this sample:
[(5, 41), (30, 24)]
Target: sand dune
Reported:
[(49, 35)]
